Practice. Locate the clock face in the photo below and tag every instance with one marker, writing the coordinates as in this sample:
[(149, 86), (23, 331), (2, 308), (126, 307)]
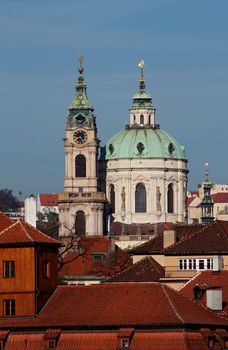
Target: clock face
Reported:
[(80, 136)]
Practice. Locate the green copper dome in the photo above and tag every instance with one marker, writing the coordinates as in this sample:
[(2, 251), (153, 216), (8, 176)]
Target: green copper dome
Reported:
[(143, 143)]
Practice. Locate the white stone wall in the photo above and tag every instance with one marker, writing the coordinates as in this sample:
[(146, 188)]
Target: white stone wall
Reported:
[(152, 173)]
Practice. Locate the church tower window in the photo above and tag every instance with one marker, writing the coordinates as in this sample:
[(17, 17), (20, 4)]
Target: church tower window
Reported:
[(141, 119), (80, 223), (112, 198), (170, 199), (140, 198), (80, 166)]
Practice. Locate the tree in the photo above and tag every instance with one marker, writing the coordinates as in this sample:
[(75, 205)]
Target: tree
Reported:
[(7, 200)]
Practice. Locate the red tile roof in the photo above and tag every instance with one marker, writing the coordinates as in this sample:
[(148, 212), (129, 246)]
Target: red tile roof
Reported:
[(208, 279), (220, 197), (48, 199), (34, 341), (210, 239), (125, 305), (20, 232), (155, 245), (168, 341), (86, 341), (145, 270), (82, 264), (5, 221)]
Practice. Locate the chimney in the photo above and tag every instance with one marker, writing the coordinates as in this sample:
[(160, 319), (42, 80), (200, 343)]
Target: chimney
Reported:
[(169, 238), (214, 298)]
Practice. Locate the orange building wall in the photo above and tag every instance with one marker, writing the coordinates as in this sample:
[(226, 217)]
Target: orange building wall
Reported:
[(24, 279), (46, 285)]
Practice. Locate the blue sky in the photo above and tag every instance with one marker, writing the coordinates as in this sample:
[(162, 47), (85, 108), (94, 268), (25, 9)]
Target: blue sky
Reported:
[(184, 46)]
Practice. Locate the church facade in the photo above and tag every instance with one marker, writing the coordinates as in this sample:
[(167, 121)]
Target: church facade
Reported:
[(143, 171)]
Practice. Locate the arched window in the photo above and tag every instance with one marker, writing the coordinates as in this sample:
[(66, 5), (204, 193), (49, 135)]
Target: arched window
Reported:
[(112, 198), (80, 166), (134, 119), (141, 119), (80, 223), (140, 198), (149, 119), (170, 199)]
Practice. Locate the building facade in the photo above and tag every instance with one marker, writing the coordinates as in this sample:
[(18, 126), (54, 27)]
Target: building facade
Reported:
[(141, 174), (81, 205), (146, 177)]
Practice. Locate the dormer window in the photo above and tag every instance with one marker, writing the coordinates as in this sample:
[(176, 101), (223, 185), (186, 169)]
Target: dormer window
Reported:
[(141, 119)]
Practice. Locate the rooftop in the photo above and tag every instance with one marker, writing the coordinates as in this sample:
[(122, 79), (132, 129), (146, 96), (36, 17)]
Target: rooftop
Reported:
[(20, 232)]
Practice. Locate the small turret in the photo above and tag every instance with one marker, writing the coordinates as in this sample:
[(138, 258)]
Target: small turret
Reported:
[(207, 205)]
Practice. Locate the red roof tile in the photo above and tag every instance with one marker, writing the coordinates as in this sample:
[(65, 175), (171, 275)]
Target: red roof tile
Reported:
[(208, 279), (5, 221), (82, 264), (155, 245), (145, 270), (86, 341), (166, 341), (48, 199), (210, 239), (20, 232), (34, 341), (125, 305), (220, 197)]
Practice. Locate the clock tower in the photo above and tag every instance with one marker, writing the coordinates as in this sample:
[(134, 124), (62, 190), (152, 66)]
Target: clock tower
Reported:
[(81, 206)]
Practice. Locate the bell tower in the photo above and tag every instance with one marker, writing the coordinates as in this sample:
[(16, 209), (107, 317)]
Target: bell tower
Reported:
[(81, 206)]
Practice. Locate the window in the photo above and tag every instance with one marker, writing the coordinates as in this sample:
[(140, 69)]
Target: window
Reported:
[(125, 343), (51, 344), (80, 223), (140, 198), (196, 264), (211, 341), (141, 119), (112, 198), (80, 166), (9, 269), (149, 119), (46, 269), (9, 307), (98, 257), (170, 199)]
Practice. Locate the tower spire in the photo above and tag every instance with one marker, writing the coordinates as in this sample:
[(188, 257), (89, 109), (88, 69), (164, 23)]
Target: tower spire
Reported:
[(206, 172), (207, 204), (142, 84)]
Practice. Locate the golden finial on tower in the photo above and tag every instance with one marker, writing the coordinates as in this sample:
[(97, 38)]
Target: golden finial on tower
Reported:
[(206, 171), (141, 65), (80, 60)]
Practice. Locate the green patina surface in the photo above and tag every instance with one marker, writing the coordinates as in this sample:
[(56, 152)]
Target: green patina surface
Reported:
[(156, 144), (80, 106)]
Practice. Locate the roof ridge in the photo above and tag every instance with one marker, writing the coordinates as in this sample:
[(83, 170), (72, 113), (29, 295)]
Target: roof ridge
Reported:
[(27, 234), (187, 237), (7, 228), (172, 303), (155, 264), (130, 267), (189, 281), (40, 232)]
